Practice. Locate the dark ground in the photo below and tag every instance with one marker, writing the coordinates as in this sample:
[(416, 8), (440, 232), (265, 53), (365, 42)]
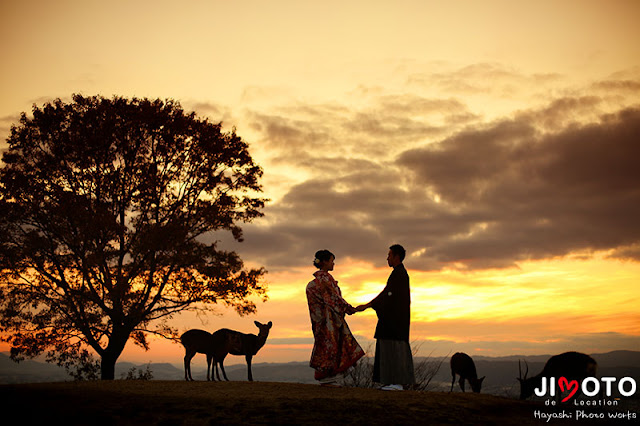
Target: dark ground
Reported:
[(125, 402)]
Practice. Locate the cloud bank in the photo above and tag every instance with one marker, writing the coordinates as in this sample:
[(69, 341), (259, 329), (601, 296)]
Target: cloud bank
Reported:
[(559, 179)]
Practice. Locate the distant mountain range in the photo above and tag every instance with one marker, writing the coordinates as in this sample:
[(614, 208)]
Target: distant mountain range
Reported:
[(30, 371), (501, 372)]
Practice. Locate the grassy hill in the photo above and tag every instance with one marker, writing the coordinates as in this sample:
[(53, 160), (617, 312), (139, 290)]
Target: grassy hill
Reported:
[(126, 402)]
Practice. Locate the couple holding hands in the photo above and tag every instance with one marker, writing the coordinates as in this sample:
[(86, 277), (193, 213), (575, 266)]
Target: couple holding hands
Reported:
[(336, 350)]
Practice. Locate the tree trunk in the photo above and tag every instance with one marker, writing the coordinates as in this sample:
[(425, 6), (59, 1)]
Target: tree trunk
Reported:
[(108, 367), (116, 345)]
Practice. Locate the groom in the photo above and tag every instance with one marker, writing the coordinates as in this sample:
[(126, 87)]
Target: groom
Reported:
[(393, 366)]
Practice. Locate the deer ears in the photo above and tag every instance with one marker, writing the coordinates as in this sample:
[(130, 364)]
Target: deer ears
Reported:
[(481, 379), (259, 325)]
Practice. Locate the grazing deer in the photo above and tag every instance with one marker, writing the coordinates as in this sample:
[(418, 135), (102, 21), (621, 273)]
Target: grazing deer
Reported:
[(236, 343), (571, 365), (198, 341), (463, 365)]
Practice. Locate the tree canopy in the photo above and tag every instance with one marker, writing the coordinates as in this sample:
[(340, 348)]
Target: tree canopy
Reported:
[(108, 216)]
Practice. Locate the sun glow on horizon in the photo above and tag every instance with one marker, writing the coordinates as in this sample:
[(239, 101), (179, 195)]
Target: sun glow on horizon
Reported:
[(449, 309)]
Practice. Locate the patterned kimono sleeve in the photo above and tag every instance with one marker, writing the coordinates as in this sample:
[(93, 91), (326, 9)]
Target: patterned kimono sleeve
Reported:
[(333, 296), (315, 301)]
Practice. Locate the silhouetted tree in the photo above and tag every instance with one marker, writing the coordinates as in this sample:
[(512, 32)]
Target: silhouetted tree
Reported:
[(104, 204)]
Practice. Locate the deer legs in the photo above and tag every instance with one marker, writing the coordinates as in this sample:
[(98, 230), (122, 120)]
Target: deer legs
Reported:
[(187, 365), (223, 372), (209, 360), (250, 376), (460, 382), (210, 373)]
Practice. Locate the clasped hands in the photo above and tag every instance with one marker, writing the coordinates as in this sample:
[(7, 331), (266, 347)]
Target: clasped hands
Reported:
[(359, 308)]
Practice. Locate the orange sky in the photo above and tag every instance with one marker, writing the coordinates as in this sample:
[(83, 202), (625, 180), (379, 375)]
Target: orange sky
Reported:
[(455, 128)]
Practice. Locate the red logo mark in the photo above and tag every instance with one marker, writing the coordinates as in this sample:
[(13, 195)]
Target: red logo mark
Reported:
[(564, 384)]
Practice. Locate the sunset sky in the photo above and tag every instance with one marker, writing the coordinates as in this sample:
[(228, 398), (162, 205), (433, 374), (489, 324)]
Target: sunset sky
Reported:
[(498, 141)]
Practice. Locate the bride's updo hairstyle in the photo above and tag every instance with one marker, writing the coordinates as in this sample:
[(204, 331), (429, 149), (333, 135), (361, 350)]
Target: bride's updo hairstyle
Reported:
[(322, 256)]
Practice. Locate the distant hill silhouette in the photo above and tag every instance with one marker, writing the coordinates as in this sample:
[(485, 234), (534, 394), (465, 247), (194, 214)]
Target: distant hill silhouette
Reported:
[(501, 372)]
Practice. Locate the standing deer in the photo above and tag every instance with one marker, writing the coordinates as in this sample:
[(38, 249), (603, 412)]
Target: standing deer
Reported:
[(221, 343), (236, 343), (571, 365), (463, 365), (198, 341)]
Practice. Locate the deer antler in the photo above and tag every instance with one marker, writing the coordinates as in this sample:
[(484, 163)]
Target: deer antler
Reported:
[(519, 370)]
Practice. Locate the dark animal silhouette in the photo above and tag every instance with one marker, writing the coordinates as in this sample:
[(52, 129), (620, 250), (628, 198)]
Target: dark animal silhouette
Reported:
[(219, 344), (463, 365), (197, 341), (572, 365), (235, 343)]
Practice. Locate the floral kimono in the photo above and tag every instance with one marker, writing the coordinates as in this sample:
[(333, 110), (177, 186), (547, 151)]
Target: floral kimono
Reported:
[(335, 348)]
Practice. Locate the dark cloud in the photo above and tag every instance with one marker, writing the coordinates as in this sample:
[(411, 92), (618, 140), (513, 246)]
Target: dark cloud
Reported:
[(294, 136), (481, 78), (618, 85), (631, 252), (564, 112), (387, 123), (542, 184), (341, 215), (534, 195)]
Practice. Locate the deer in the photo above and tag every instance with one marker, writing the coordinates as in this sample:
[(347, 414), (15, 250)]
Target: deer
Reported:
[(571, 365), (463, 365), (219, 344), (198, 341), (236, 343)]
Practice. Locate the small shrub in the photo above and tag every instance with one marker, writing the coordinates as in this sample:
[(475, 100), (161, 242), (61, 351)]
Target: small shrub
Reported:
[(138, 374), (425, 369)]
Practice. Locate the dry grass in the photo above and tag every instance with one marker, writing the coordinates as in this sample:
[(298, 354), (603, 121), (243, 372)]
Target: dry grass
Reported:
[(204, 403)]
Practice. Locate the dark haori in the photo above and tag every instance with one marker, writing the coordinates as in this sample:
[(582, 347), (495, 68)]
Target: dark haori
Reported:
[(393, 363), (221, 343), (462, 365), (571, 365)]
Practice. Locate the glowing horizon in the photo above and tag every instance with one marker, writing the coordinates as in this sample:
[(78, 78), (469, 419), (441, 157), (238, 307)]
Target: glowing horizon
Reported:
[(487, 328), (491, 139)]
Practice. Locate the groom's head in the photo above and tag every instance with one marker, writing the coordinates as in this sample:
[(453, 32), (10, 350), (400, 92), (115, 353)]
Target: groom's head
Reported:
[(396, 255)]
